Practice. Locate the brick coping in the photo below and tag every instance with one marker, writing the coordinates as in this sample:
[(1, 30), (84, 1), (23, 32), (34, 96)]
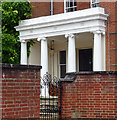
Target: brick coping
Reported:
[(70, 77), (18, 66), (92, 73)]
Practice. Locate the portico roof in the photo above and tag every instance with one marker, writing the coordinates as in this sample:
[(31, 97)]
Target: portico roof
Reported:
[(87, 20)]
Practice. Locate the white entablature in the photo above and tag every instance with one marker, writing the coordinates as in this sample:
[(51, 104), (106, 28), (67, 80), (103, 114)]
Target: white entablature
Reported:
[(87, 20)]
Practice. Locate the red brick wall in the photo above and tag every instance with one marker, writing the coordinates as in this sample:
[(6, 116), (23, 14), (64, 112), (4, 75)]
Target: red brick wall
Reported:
[(111, 36), (40, 9), (91, 95), (83, 5), (58, 7), (20, 91), (116, 35)]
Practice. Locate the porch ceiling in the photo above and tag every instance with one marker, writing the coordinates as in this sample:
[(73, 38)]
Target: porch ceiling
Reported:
[(79, 37), (87, 20)]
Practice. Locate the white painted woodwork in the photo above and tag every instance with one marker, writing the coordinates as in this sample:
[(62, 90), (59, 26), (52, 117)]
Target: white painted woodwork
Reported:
[(86, 20), (44, 64), (55, 26), (71, 53), (23, 59), (103, 52), (97, 51)]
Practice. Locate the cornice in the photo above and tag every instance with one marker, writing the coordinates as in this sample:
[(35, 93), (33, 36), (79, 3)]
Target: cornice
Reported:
[(62, 21), (61, 24)]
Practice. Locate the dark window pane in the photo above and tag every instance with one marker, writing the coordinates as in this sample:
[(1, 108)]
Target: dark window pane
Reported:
[(62, 57), (67, 4), (74, 3), (71, 4), (85, 60), (62, 71)]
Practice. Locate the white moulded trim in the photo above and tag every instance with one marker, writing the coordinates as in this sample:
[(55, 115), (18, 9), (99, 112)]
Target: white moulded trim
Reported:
[(64, 16), (87, 20), (62, 32), (62, 22)]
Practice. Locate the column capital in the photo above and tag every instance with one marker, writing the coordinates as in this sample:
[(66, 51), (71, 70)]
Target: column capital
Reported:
[(99, 32), (70, 35), (23, 41), (41, 38), (103, 33)]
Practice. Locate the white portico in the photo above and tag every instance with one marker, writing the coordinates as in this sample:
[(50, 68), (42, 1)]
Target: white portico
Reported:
[(72, 28)]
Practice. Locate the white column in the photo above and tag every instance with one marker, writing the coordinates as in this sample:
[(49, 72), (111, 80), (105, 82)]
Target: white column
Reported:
[(71, 53), (44, 56), (97, 52), (23, 59), (44, 64)]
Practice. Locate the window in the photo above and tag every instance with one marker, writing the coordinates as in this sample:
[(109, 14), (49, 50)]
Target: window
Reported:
[(94, 3), (70, 5), (85, 60), (62, 64)]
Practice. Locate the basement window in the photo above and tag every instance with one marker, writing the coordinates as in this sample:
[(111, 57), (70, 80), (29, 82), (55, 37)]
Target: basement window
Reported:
[(70, 5)]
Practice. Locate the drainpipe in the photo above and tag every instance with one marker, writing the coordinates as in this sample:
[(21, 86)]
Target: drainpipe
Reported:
[(90, 3), (51, 7)]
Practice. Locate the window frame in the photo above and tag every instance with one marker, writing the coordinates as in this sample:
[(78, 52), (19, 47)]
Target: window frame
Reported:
[(61, 64), (79, 58), (69, 7), (94, 3)]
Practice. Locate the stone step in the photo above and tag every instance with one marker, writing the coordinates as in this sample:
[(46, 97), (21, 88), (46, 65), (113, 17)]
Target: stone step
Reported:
[(49, 108), (48, 118), (48, 101), (49, 115)]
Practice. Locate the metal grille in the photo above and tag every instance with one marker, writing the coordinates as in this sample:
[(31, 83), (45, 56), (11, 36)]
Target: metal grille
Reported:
[(50, 106)]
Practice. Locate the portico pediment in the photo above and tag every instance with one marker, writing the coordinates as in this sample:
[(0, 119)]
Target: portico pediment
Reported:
[(87, 20)]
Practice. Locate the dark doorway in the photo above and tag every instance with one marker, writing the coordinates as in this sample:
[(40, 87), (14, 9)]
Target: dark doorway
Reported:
[(85, 60)]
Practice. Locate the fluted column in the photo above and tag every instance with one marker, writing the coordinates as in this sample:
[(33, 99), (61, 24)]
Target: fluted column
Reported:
[(23, 59), (71, 53)]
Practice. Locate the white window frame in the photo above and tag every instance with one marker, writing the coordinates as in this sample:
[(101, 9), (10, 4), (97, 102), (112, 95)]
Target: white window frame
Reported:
[(94, 3), (65, 5), (61, 64)]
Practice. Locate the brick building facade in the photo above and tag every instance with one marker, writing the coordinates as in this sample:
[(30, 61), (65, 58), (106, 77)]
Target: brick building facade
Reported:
[(83, 39), (70, 37), (44, 8)]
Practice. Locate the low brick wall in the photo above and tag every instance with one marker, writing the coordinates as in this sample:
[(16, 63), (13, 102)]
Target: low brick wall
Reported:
[(20, 91), (90, 95)]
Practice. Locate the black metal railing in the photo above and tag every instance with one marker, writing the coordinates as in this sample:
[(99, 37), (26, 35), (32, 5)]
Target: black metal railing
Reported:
[(50, 105)]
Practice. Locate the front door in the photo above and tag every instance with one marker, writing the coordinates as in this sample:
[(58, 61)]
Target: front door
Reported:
[(85, 60)]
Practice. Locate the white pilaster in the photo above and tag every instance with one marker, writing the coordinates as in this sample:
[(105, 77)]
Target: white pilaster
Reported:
[(44, 64), (97, 52), (23, 59), (104, 51), (71, 53)]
